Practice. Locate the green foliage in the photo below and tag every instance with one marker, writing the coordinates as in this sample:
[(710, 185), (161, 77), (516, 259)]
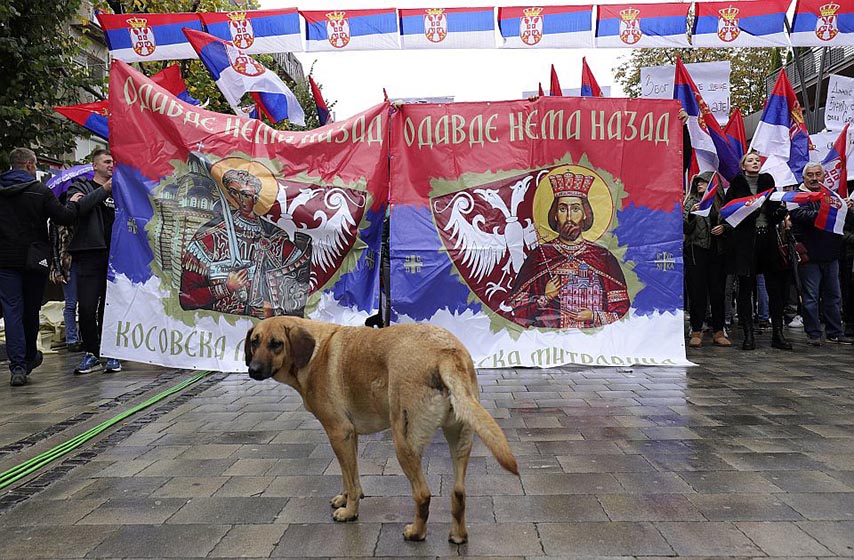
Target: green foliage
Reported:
[(749, 66), (37, 52)]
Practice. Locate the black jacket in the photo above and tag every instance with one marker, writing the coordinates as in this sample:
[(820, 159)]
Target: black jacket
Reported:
[(822, 246), (94, 223), (25, 206), (742, 239)]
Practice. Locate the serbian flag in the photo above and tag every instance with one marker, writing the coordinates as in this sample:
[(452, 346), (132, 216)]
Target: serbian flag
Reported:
[(351, 30), (643, 25), (735, 211), (782, 135), (793, 199), (589, 85), (835, 165), (822, 23), (257, 31), (447, 28), (546, 27), (831, 212), (322, 109), (540, 89), (708, 197), (741, 24), (734, 131), (91, 116), (554, 89), (711, 147), (236, 73), (146, 37), (171, 79)]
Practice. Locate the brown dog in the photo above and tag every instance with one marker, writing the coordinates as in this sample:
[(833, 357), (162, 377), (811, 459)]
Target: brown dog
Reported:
[(358, 380)]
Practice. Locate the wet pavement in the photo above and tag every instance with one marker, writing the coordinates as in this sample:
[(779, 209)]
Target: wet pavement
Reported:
[(750, 454)]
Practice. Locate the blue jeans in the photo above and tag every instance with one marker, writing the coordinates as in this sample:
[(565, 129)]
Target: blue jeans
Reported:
[(820, 286), (21, 293), (69, 312), (762, 298)]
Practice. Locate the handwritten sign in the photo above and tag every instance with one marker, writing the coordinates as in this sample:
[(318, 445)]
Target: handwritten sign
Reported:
[(839, 108), (712, 79), (823, 142)]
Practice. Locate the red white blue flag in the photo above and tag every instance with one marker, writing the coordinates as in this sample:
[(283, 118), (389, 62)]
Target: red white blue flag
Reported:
[(257, 31), (237, 73), (643, 25), (91, 116), (447, 28), (793, 199), (735, 133), (146, 37), (708, 197), (835, 165), (319, 103), (741, 24), (735, 211), (525, 27), (171, 79), (831, 212), (589, 85), (351, 30), (822, 23)]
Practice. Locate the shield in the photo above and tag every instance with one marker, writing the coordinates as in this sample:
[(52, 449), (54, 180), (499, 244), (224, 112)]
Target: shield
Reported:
[(242, 34), (826, 27), (338, 32), (728, 30), (435, 25), (630, 31), (243, 63), (142, 40), (531, 29)]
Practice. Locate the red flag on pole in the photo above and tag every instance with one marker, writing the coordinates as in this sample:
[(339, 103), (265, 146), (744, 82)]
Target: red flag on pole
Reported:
[(555, 85)]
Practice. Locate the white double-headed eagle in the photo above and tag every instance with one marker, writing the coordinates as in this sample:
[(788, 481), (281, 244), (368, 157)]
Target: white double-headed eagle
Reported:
[(483, 246)]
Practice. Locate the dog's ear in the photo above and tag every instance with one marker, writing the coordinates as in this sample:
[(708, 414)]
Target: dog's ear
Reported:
[(247, 346), (302, 346)]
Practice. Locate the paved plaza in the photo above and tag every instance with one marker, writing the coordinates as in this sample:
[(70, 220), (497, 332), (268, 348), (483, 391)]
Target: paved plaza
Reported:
[(749, 455)]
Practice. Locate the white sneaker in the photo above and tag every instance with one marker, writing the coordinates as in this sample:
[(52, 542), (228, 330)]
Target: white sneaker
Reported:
[(796, 323)]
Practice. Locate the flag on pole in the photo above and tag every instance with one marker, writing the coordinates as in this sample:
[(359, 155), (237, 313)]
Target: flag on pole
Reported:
[(831, 212), (782, 135), (741, 24), (349, 30), (322, 109), (256, 31), (540, 89), (237, 73), (146, 37), (735, 211), (589, 85), (91, 116), (554, 89), (822, 23), (835, 165), (734, 131), (708, 197), (794, 199), (447, 28), (171, 79), (642, 25), (546, 27)]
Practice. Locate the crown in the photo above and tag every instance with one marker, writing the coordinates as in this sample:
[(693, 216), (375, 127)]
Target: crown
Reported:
[(137, 22), (828, 9), (532, 12), (336, 16), (236, 16), (571, 184), (434, 11), (729, 14), (629, 14)]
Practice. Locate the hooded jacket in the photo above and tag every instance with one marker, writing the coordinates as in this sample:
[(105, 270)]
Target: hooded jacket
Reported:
[(25, 206)]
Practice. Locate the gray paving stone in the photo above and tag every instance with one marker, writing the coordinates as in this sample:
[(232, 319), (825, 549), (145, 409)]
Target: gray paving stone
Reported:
[(782, 539), (161, 541), (336, 539), (838, 536), (244, 486), (822, 506), (190, 487), (60, 513), (806, 481), (506, 539), (565, 508), (133, 511), (707, 539), (603, 539), (570, 483), (233, 511), (244, 541), (743, 507), (650, 507), (726, 482), (604, 463), (652, 483), (52, 541)]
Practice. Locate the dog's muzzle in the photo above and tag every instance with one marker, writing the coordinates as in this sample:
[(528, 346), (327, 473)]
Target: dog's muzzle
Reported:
[(258, 373)]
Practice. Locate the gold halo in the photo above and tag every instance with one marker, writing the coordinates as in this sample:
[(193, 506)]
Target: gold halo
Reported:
[(269, 185), (599, 197)]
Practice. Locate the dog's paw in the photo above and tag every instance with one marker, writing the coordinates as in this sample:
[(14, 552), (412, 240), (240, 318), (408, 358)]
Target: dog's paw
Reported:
[(410, 534), (338, 501), (342, 515), (458, 539)]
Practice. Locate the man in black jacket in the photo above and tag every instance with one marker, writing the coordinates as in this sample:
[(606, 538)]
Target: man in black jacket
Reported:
[(25, 206)]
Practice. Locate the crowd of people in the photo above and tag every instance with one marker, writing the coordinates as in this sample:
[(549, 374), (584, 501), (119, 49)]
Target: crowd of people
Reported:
[(778, 262)]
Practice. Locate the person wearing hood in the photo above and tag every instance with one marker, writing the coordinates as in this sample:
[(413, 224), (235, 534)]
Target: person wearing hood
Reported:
[(25, 206), (704, 263)]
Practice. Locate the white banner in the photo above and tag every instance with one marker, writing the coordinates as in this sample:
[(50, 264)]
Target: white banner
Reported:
[(839, 108), (712, 79), (823, 142)]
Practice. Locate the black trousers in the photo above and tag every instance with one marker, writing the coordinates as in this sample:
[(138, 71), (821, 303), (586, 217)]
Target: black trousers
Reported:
[(91, 269), (706, 277), (776, 281)]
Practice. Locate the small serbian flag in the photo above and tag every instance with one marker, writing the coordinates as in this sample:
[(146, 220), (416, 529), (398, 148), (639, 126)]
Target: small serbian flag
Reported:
[(643, 25), (734, 131), (351, 30), (91, 116), (540, 91), (735, 211), (546, 27), (589, 85), (236, 73), (831, 212), (146, 37), (170, 78), (554, 89), (322, 109), (257, 31), (835, 165), (708, 197), (447, 28), (822, 23), (793, 199), (741, 24)]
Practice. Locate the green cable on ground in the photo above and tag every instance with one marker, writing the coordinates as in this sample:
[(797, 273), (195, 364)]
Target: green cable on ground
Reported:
[(27, 467)]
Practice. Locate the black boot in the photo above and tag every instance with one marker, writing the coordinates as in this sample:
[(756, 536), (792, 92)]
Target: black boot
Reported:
[(749, 340), (778, 340)]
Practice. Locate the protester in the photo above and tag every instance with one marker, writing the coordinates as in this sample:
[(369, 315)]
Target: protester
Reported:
[(704, 264), (25, 206), (753, 249), (62, 273), (820, 288), (90, 250)]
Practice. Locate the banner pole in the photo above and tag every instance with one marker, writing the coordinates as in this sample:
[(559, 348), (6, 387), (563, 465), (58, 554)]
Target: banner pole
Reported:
[(816, 126)]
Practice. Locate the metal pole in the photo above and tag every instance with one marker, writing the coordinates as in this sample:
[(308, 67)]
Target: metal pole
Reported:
[(816, 126), (800, 72)]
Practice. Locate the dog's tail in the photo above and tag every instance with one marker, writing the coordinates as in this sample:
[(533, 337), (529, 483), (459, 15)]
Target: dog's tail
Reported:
[(469, 410)]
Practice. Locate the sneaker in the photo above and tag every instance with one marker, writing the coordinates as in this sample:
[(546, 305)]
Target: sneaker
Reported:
[(112, 365), (37, 361), (840, 339), (796, 323), (19, 377), (88, 364), (814, 341)]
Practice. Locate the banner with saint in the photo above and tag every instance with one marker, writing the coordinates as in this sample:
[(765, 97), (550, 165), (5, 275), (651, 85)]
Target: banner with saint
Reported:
[(541, 233), (222, 221)]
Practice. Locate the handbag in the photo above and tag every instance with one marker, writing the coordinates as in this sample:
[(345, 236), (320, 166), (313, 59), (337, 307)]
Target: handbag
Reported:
[(786, 249), (38, 257)]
